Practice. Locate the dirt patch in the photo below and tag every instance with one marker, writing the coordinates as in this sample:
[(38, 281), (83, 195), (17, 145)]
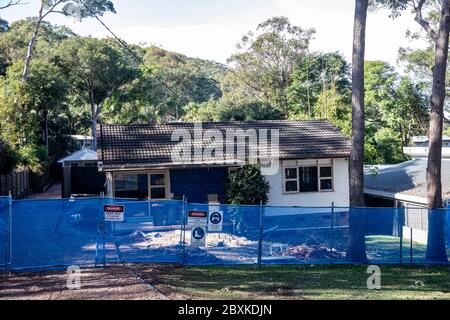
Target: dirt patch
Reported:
[(110, 283)]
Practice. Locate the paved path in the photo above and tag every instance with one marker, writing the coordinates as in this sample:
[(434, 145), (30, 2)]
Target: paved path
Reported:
[(54, 192)]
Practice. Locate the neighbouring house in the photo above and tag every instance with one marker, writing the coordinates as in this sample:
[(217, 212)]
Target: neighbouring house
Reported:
[(138, 161), (405, 185), (419, 150), (82, 141), (81, 175)]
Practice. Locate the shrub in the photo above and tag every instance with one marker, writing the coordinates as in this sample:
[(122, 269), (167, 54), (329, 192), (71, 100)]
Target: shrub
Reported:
[(8, 158), (247, 186)]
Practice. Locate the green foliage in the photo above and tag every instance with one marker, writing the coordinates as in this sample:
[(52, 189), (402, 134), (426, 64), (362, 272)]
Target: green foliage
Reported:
[(246, 186), (8, 158), (33, 156), (396, 110), (315, 74), (266, 60), (26, 107)]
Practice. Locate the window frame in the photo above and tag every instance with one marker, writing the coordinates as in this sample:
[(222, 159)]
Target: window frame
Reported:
[(317, 164), (286, 180), (166, 185), (331, 177)]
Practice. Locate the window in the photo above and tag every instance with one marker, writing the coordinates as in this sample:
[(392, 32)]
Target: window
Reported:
[(308, 176), (291, 180), (326, 178), (131, 186), (308, 179), (158, 186)]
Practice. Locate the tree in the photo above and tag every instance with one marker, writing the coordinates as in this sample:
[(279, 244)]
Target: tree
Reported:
[(79, 9), (27, 107), (315, 74), (396, 110), (436, 250), (96, 70), (357, 247), (247, 186), (9, 3), (4, 25), (267, 59), (8, 158)]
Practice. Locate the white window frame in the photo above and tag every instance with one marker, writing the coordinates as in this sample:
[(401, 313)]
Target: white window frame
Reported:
[(286, 180), (319, 178), (326, 178)]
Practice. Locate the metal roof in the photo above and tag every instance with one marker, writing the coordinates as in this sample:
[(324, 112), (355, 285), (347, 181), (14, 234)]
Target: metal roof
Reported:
[(407, 178), (79, 156)]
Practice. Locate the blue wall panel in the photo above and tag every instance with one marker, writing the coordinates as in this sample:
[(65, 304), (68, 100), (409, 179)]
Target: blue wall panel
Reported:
[(196, 184)]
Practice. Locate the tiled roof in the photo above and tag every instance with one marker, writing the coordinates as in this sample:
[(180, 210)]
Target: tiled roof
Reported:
[(151, 145)]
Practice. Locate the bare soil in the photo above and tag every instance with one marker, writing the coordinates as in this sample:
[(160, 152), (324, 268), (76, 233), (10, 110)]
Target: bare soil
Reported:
[(110, 283)]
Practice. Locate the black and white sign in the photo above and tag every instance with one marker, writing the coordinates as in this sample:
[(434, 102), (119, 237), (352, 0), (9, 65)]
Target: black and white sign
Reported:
[(215, 221), (197, 218), (114, 213), (198, 236)]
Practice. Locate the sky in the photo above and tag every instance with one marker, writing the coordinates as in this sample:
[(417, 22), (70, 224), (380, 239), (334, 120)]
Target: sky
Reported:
[(210, 29)]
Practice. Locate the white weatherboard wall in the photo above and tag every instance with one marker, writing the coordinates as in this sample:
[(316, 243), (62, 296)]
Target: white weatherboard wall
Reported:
[(340, 196)]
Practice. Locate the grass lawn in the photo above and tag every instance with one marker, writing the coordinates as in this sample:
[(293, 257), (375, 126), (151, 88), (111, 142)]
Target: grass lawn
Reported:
[(301, 282)]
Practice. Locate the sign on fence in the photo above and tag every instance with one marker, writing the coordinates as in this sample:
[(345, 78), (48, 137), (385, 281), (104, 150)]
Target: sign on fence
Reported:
[(114, 213), (215, 220), (198, 236), (197, 218)]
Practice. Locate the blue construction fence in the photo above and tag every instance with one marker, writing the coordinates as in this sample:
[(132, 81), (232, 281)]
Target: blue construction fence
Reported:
[(41, 234)]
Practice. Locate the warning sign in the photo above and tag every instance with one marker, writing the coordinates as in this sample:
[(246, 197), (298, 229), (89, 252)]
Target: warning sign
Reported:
[(215, 221), (197, 218), (198, 236), (114, 213)]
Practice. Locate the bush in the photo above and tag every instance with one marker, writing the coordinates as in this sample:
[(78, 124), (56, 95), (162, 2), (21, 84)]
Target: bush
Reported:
[(8, 158), (247, 186)]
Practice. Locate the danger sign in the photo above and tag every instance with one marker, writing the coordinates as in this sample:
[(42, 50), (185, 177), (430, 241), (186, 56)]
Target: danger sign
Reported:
[(114, 213), (198, 236), (197, 218)]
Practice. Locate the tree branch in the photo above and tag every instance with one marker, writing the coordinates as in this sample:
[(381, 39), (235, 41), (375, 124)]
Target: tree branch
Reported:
[(422, 22), (12, 3)]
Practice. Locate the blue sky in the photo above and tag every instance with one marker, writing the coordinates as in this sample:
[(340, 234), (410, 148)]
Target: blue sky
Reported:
[(210, 29)]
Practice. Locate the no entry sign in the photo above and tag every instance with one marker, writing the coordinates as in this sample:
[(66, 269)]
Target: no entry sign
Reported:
[(114, 213)]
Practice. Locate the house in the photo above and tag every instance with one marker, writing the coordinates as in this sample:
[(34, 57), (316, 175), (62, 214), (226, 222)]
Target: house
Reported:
[(405, 185), (82, 141), (419, 150), (81, 175), (306, 163)]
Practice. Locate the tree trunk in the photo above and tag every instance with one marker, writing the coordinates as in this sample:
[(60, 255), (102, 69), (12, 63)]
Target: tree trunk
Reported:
[(357, 248), (94, 133), (26, 68), (436, 218)]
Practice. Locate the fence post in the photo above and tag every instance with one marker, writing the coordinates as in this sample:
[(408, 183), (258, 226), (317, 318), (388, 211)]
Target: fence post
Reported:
[(411, 247), (260, 235), (10, 235), (102, 204), (332, 232), (183, 231), (400, 223)]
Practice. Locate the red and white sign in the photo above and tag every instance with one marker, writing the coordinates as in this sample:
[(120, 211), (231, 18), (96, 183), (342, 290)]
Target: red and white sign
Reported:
[(114, 213), (197, 218)]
